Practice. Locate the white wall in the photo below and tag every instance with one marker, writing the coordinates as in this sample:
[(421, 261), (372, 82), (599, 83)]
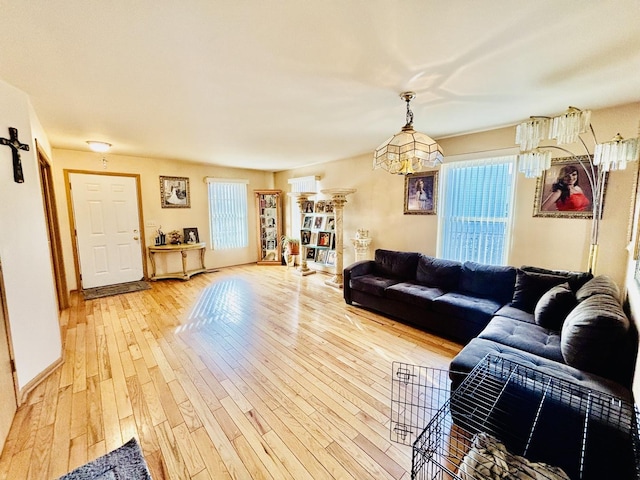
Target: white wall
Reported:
[(24, 248)]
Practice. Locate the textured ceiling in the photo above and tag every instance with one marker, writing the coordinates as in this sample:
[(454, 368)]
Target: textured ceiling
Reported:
[(276, 84)]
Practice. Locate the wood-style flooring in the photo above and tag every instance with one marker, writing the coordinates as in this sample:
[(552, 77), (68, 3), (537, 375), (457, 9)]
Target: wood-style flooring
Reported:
[(250, 372)]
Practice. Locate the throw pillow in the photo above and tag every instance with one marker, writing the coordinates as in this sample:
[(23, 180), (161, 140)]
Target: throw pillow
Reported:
[(437, 272), (575, 279), (494, 282), (554, 306), (594, 336), (531, 286)]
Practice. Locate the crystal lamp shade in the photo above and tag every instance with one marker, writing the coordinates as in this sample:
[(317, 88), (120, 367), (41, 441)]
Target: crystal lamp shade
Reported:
[(407, 152), (534, 162), (615, 154)]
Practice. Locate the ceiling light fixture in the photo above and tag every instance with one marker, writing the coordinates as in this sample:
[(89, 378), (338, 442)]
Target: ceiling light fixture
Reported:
[(407, 151), (100, 147), (566, 129)]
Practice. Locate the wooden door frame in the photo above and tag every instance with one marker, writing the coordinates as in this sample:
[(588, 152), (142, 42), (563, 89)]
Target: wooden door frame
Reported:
[(72, 219), (53, 228), (8, 339)]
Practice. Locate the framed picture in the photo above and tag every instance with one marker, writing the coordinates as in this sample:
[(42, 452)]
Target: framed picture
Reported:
[(307, 206), (331, 224), (305, 237), (311, 254), (308, 222), (324, 239), (564, 191), (320, 204), (191, 235), (420, 191), (318, 222), (321, 255), (328, 206), (331, 257), (174, 192)]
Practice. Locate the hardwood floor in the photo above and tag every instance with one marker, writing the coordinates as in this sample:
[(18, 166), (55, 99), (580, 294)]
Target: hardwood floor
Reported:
[(251, 372)]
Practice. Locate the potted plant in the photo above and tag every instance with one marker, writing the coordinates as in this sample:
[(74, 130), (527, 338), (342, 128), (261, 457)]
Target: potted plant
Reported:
[(290, 245)]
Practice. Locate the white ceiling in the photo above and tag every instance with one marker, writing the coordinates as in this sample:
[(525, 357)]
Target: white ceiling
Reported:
[(274, 84)]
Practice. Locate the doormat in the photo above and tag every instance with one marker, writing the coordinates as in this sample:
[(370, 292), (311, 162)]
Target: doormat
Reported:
[(117, 289)]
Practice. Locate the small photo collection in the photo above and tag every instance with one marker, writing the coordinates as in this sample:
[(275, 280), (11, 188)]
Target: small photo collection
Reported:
[(318, 232)]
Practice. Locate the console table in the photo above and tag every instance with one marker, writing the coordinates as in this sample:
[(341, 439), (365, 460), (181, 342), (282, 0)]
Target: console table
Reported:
[(183, 249)]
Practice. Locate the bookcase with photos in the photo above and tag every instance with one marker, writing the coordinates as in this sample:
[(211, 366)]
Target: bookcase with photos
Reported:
[(269, 210), (318, 235)]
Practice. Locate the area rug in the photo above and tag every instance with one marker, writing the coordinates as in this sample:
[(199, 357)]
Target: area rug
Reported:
[(124, 463), (119, 288)]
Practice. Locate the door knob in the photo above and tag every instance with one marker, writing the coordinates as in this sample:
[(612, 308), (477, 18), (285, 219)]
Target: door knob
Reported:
[(135, 238)]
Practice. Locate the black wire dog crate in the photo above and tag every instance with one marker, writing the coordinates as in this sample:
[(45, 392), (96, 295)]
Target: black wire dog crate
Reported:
[(507, 420)]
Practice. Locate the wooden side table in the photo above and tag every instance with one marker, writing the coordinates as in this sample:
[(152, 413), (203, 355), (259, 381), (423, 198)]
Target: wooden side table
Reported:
[(183, 249)]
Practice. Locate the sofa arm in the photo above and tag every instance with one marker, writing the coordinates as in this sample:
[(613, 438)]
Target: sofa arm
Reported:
[(363, 267)]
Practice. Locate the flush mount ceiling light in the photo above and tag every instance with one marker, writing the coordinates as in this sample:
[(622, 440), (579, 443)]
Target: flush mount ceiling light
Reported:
[(407, 151), (99, 147)]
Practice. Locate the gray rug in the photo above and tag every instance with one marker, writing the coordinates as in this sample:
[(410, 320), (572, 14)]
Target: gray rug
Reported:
[(107, 291), (124, 463)]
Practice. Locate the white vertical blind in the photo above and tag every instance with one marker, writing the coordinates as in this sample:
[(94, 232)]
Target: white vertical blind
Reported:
[(476, 210), (299, 184), (228, 213)]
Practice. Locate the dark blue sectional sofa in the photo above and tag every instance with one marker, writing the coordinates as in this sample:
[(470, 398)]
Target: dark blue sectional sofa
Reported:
[(567, 324)]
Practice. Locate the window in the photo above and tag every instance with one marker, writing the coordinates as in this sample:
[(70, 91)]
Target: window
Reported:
[(228, 213), (476, 209), (300, 184)]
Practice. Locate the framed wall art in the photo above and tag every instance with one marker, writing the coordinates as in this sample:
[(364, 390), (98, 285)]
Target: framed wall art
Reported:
[(564, 191), (174, 192), (191, 235), (420, 191)]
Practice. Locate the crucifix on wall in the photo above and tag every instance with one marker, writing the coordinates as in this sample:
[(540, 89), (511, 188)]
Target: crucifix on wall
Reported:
[(16, 146)]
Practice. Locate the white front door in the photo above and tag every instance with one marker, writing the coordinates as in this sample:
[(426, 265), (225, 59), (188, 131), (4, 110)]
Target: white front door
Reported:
[(107, 223)]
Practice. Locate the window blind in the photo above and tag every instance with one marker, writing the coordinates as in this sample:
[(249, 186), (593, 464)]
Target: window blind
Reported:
[(228, 213), (476, 210)]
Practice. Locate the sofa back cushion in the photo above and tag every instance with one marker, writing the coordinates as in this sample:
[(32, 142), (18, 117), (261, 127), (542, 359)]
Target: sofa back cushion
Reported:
[(530, 286), (595, 336), (437, 272), (488, 281), (554, 306), (575, 279), (391, 263), (596, 286)]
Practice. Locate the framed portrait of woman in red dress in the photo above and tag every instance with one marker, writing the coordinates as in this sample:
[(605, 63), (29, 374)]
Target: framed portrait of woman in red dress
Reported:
[(564, 190)]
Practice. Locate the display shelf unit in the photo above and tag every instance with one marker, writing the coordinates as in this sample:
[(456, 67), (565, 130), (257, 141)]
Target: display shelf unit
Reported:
[(318, 235), (508, 420), (269, 228)]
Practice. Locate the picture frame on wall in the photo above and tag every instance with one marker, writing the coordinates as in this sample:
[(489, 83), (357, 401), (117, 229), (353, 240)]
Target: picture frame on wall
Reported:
[(174, 192), (190, 235), (420, 192), (563, 191)]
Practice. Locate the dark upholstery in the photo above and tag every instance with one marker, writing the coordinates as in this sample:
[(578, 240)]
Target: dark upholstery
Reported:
[(530, 286), (511, 312), (478, 348), (475, 309), (413, 293), (488, 281), (527, 337), (373, 284), (594, 335), (554, 306), (575, 279), (401, 265), (436, 272), (598, 285)]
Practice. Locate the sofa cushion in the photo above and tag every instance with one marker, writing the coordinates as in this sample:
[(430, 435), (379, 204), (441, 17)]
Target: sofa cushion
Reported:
[(530, 286), (596, 286), (477, 349), (511, 312), (475, 309), (413, 293), (372, 284), (396, 264), (575, 279), (527, 337), (437, 272), (595, 336), (554, 306), (488, 281)]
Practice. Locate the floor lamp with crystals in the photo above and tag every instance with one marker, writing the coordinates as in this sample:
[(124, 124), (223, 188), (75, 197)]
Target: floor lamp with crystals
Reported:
[(566, 129), (339, 198), (301, 199)]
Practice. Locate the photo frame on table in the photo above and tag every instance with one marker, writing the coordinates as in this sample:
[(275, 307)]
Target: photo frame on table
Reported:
[(331, 257), (308, 222), (420, 192), (552, 197), (190, 235), (311, 254), (321, 255), (174, 192), (324, 239)]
